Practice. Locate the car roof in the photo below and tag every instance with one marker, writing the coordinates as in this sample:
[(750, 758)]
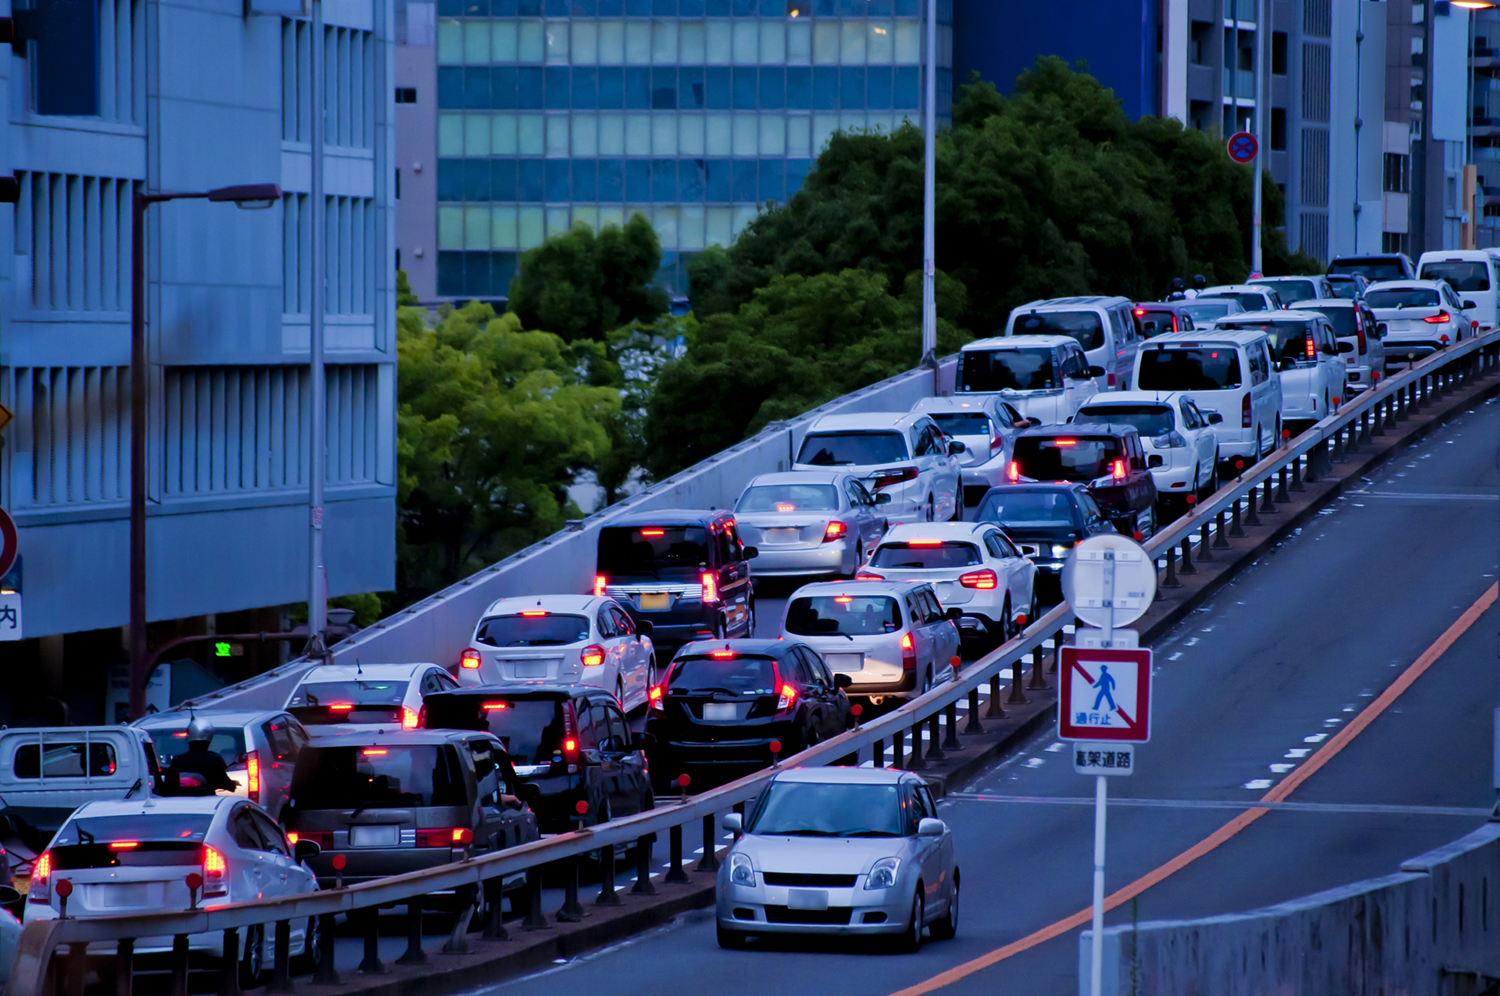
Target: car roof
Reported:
[(1018, 342), (1074, 486), (798, 477), (523, 689), (1091, 428), (1279, 315), (835, 774), (1236, 288), (858, 588), (1341, 302), (870, 421), (389, 738), (668, 517), (1128, 397), (1211, 334), (939, 530), (746, 645), (1054, 303), (957, 403), (1160, 305), (156, 805), (354, 672), (219, 717), (547, 603), (1287, 276), (1406, 283), (1465, 255)]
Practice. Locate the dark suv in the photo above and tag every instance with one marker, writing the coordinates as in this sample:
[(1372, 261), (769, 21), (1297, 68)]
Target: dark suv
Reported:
[(1107, 456), (684, 571), (571, 743), (723, 703), (1046, 521), (397, 802)]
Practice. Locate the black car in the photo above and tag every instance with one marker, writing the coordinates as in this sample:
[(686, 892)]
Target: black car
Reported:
[(1046, 521), (1107, 456), (724, 702), (572, 744), (395, 802), (684, 571)]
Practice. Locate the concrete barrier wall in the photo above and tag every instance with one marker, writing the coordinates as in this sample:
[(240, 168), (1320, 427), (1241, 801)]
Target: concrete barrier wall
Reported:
[(1420, 932), (438, 628)]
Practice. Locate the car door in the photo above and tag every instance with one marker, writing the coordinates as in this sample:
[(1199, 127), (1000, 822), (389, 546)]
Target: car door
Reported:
[(276, 771), (489, 828), (1015, 568), (943, 633), (295, 880), (1078, 386), (258, 874), (1200, 434), (929, 850), (923, 451), (1093, 516), (632, 782), (838, 702), (809, 674), (734, 576), (607, 632), (636, 655), (608, 733), (945, 844)]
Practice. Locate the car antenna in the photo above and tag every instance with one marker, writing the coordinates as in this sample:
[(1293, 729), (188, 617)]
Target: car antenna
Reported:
[(357, 669)]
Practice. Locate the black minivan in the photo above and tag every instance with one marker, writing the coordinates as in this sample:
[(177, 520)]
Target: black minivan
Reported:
[(682, 570), (1107, 456)]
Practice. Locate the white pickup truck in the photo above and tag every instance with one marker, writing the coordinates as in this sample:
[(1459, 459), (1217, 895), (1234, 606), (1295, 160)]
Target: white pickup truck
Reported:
[(47, 772)]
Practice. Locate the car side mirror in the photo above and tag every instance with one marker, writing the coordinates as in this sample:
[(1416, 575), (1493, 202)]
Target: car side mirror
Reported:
[(751, 552), (732, 822), (929, 827), (9, 896), (1214, 418), (305, 850), (842, 682), (955, 447), (883, 498), (1346, 347), (954, 614), (1155, 460), (1096, 371), (1469, 305), (644, 627), (529, 793)]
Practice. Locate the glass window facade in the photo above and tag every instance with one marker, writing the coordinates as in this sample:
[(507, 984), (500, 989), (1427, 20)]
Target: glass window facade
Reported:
[(695, 113)]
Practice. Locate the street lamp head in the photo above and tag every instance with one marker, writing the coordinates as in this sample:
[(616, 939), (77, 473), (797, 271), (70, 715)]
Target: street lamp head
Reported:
[(251, 196)]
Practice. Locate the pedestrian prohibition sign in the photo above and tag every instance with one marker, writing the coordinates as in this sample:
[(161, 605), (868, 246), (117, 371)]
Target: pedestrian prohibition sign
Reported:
[(1243, 147), (1105, 695)]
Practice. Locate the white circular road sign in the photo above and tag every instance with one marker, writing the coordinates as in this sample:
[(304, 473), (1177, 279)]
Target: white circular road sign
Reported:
[(1109, 574)]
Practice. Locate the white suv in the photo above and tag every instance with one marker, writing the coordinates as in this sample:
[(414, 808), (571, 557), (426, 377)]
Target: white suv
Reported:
[(1306, 352), (1182, 449), (901, 454), (987, 427), (1103, 326), (1045, 377), (1420, 317)]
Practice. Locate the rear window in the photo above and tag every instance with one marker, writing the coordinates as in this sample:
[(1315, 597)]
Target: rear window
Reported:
[(849, 615), (67, 759), (1403, 297), (1070, 458), (1342, 320), (1247, 300), (1293, 290), (1206, 309), (1149, 420), (1346, 289), (228, 743), (1375, 269), (1189, 368), (1029, 509), (1084, 326), (789, 498), (917, 555), (1153, 323), (735, 674), (962, 423), (1462, 275), (647, 549), (1007, 370), (1288, 339), (378, 776), (148, 841), (833, 449), (543, 629), (529, 728)]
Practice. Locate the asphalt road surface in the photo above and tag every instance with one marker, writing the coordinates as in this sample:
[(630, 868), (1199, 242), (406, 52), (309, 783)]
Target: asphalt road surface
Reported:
[(1246, 689)]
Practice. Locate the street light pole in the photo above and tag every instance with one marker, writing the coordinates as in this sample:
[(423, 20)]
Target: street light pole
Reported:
[(1262, 30), (929, 196), (317, 595)]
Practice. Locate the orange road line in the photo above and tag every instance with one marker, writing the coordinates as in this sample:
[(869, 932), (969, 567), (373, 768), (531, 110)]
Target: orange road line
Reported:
[(1279, 793)]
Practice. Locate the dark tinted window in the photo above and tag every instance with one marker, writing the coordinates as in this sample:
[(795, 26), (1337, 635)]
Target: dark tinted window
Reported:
[(105, 829), (359, 693), (645, 549), (1342, 320), (1468, 275), (529, 728), (1347, 289), (523, 630), (63, 760), (920, 556), (1007, 370), (1403, 297), (1189, 368), (962, 423), (851, 615), (1029, 509), (1206, 309), (1083, 326), (1288, 339), (1068, 458), (1295, 290), (1149, 420), (1247, 300), (378, 776), (1375, 269), (832, 449), (736, 674), (228, 743), (1151, 323), (789, 498)]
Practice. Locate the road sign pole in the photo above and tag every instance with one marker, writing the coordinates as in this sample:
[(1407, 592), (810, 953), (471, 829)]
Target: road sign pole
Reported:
[(1109, 597), (1096, 965)]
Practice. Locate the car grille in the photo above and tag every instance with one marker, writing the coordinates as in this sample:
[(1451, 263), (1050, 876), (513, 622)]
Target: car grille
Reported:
[(800, 878), (832, 915)]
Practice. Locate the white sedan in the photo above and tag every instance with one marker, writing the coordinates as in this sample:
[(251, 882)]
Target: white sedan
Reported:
[(1181, 447), (987, 427), (371, 698), (972, 567), (562, 640), (135, 857)]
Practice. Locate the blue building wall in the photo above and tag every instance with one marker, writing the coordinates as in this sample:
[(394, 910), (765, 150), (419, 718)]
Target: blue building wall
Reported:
[(1117, 39)]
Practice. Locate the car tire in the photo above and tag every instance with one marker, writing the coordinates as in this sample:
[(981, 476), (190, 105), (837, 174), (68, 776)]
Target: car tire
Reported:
[(927, 680), (958, 505), (252, 960), (720, 630), (931, 509), (312, 949), (620, 692), (947, 928), (731, 940), (911, 940), (1007, 622)]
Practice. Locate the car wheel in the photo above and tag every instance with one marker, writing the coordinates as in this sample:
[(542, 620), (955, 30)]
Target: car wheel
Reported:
[(750, 619), (720, 631), (312, 948), (927, 680), (252, 965), (1007, 622), (958, 505), (911, 941), (946, 928), (732, 940), (620, 692), (931, 513)]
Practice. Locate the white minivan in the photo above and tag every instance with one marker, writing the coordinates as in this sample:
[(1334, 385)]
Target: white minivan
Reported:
[(1045, 377), (1228, 371), (1474, 275), (1103, 326), (1306, 353)]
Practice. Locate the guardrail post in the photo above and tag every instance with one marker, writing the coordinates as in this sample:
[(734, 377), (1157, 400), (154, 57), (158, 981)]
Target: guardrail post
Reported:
[(1170, 580), (281, 958), (78, 967), (1297, 474), (494, 919), (1205, 547), (1389, 422), (1057, 645), (535, 918), (607, 895), (995, 710), (1266, 504), (1038, 680), (1251, 519), (1364, 427), (643, 884), (572, 909), (179, 964), (327, 973), (1017, 684), (369, 921), (916, 762), (710, 859), (1187, 556), (934, 737), (973, 726), (1400, 405), (124, 965), (414, 955), (877, 754), (1235, 529), (898, 750), (950, 742), (1281, 494), (1338, 446), (229, 981), (457, 942), (1221, 539), (1352, 446)]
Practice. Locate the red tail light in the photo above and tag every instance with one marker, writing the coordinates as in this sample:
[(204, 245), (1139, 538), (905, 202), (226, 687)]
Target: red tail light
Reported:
[(710, 587), (41, 879), (1013, 471), (593, 656), (341, 707), (1359, 330), (252, 776), (984, 580), (1110, 380), (654, 696), (835, 530), (445, 837), (1246, 419), (722, 655), (1437, 319), (124, 845), (908, 653), (570, 735), (469, 659), (885, 478), (788, 698), (570, 745), (323, 838), (215, 873), (600, 583), (1311, 348), (867, 576), (1119, 471), (408, 719)]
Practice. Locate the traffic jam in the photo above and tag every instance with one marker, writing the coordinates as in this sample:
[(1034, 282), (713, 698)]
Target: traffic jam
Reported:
[(903, 542)]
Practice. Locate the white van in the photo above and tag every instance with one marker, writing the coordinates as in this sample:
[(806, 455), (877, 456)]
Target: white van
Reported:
[(1221, 370), (1306, 352), (47, 772), (1045, 377), (1474, 275), (1102, 326)]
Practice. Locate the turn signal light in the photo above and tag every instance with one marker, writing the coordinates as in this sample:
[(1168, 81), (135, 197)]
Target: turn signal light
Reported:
[(215, 873), (252, 776), (124, 845), (1119, 472), (710, 587), (600, 583), (867, 576), (469, 659), (1013, 472), (593, 656), (835, 530), (984, 580)]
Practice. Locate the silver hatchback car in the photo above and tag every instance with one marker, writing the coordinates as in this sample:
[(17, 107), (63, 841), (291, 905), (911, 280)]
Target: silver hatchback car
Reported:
[(810, 522), (843, 851), (259, 746)]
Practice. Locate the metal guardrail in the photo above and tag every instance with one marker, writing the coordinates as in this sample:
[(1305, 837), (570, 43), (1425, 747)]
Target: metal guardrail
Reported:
[(1306, 458)]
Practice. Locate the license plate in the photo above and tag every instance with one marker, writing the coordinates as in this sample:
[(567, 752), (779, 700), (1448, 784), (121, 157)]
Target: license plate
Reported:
[(377, 836), (807, 899), (844, 662), (783, 535), (127, 894), (654, 602), (720, 711), (531, 669)]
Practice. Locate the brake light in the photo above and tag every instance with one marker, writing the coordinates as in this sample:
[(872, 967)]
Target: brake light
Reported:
[(599, 584), (885, 478), (908, 653), (653, 532), (924, 542), (1110, 380), (41, 879), (1245, 415), (252, 776), (835, 530), (1065, 442), (533, 614), (996, 442), (1139, 312), (593, 656), (722, 655), (570, 735), (292, 837), (183, 734), (341, 706), (1359, 330), (867, 576), (445, 837), (323, 838), (786, 508), (710, 587), (215, 873), (408, 719), (1437, 319), (124, 845), (1311, 349), (788, 698), (654, 697), (374, 752), (843, 599), (469, 659), (1119, 471), (984, 580), (1013, 472), (492, 706), (570, 745)]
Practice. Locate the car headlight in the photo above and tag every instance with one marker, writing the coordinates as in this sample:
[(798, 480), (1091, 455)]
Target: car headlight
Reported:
[(883, 873), (1061, 549), (740, 870)]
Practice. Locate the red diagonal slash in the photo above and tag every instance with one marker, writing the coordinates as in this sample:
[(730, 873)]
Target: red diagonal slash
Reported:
[(1086, 677)]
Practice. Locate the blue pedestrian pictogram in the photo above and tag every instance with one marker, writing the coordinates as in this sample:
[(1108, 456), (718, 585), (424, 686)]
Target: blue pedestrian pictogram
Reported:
[(1105, 684)]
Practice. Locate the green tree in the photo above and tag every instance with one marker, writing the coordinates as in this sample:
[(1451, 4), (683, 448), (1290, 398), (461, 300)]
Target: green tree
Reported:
[(583, 284)]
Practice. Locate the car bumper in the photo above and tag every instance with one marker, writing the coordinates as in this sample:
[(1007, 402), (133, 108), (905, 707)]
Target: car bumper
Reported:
[(1169, 479), (763, 909), (835, 557), (906, 683)]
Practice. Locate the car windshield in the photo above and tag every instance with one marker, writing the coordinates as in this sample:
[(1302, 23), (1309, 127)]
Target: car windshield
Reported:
[(1462, 275), (846, 615), (1248, 300), (1066, 458), (1374, 269), (1205, 309), (739, 675), (377, 776), (839, 449), (361, 694), (1342, 319), (1346, 289), (1403, 297), (153, 826), (816, 809), (1029, 509), (532, 629), (529, 728), (1153, 323), (1006, 370), (1190, 368), (1289, 340), (789, 498), (962, 423), (1293, 290), (929, 555), (1084, 326), (1150, 420), (228, 743), (650, 549)]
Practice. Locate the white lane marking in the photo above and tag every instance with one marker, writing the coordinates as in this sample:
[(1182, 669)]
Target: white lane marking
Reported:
[(1332, 722), (1348, 708), (1423, 496), (1257, 783), (1298, 752), (1056, 747), (1316, 738), (1191, 641), (1035, 762), (1281, 769), (1175, 656)]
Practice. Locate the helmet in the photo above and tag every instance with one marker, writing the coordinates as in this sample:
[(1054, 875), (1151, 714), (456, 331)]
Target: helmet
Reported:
[(1177, 283), (200, 729), (1198, 281)]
